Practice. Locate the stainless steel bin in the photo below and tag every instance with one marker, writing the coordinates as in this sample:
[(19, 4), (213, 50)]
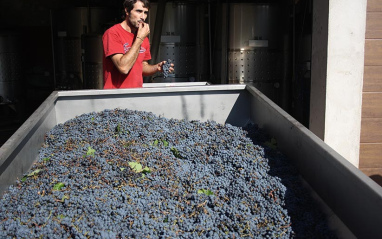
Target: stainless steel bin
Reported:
[(354, 201)]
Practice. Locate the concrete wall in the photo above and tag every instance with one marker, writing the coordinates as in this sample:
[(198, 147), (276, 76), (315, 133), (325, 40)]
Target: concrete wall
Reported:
[(338, 95)]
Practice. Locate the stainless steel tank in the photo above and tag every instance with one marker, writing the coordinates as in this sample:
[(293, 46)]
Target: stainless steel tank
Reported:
[(256, 47), (92, 61), (69, 25), (182, 41), (10, 67), (73, 22), (260, 67), (68, 62)]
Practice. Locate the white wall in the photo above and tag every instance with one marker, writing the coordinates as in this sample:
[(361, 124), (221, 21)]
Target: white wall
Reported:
[(344, 77)]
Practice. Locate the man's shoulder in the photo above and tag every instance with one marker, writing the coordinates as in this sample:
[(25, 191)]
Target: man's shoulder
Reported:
[(118, 31), (115, 28)]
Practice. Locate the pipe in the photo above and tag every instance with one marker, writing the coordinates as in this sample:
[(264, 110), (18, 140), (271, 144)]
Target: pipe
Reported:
[(288, 59), (157, 30), (53, 56), (225, 78), (209, 37)]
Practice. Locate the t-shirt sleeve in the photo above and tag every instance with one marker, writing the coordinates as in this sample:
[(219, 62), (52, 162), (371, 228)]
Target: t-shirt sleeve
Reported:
[(112, 43)]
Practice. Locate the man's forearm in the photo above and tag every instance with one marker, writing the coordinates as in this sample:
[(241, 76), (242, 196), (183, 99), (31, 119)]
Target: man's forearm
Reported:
[(148, 70), (125, 62)]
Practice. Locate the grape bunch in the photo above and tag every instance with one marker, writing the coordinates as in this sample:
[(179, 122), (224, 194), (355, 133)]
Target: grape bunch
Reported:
[(166, 68), (131, 174)]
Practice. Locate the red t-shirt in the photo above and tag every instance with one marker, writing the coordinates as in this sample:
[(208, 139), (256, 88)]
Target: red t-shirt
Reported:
[(118, 40)]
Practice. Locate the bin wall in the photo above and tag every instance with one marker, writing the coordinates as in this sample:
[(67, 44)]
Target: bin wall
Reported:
[(20, 151), (353, 197), (199, 103)]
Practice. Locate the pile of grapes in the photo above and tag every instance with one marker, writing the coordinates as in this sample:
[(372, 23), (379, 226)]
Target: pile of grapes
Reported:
[(166, 68), (131, 174)]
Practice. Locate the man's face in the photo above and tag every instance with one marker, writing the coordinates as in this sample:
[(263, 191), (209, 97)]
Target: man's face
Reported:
[(137, 15)]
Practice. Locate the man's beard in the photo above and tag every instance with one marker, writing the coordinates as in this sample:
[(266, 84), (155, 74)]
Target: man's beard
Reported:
[(134, 25)]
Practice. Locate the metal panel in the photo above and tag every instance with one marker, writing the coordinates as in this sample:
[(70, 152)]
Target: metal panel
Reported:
[(183, 55), (258, 65), (179, 20), (92, 51), (183, 42), (250, 21), (190, 103), (19, 152), (69, 54), (354, 197), (10, 67), (68, 63), (73, 22), (69, 24), (93, 75), (256, 51), (175, 84)]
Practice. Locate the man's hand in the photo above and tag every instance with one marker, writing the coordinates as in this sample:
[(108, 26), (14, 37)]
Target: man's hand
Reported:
[(143, 30), (149, 70), (160, 67)]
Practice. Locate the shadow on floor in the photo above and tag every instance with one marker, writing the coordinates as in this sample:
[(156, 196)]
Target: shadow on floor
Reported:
[(377, 178)]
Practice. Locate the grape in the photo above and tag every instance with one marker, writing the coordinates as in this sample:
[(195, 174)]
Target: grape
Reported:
[(166, 68), (121, 173)]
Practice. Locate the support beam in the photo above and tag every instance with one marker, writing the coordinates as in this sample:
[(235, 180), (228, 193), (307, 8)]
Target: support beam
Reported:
[(337, 74)]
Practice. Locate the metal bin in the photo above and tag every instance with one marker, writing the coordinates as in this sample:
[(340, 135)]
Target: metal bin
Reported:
[(353, 200)]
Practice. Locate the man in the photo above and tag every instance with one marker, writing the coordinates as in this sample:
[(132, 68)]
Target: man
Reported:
[(127, 49)]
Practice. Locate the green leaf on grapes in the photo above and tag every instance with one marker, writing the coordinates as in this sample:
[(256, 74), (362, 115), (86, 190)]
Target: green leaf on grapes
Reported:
[(127, 144), (206, 192), (46, 159), (176, 153), (64, 198), (90, 151), (146, 170), (165, 143), (156, 142), (58, 186), (35, 172), (136, 167), (118, 129)]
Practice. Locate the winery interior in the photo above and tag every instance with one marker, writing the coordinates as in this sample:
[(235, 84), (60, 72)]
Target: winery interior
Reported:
[(51, 71), (57, 45)]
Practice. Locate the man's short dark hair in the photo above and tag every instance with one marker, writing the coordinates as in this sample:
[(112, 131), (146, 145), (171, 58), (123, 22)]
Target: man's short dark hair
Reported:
[(129, 4)]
